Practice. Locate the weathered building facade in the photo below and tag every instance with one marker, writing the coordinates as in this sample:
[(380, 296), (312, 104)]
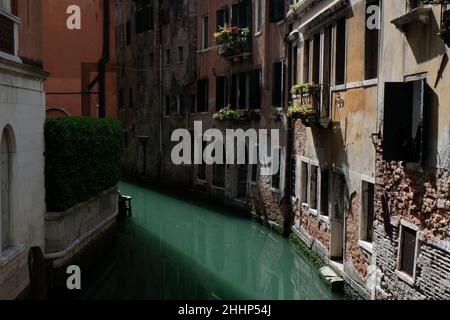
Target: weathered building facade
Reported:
[(241, 71), (371, 193), (411, 234), (335, 115), (22, 116), (79, 52), (157, 59)]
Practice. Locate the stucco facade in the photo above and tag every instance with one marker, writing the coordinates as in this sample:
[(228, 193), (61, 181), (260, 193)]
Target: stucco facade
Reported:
[(335, 156), (22, 115), (73, 57)]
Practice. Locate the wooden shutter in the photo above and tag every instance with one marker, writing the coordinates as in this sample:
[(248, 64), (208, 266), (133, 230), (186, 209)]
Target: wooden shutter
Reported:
[(14, 7), (276, 10), (233, 91)]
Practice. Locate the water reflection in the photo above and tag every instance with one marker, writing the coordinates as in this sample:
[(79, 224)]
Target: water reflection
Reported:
[(179, 249)]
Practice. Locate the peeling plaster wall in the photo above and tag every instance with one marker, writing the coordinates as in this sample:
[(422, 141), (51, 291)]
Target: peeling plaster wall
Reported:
[(416, 194)]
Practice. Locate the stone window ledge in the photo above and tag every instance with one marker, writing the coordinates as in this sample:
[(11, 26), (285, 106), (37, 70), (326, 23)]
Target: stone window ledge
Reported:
[(405, 277), (10, 254), (367, 246)]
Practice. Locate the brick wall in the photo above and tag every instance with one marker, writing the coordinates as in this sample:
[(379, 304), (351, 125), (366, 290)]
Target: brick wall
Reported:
[(432, 271)]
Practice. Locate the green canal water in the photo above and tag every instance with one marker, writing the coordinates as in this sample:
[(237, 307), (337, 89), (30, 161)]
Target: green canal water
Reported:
[(175, 248)]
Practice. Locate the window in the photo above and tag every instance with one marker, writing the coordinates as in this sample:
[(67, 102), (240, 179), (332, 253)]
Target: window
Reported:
[(304, 182), (371, 45), (180, 10), (151, 60), (324, 192), (219, 175), (221, 92), (143, 157), (293, 66), (313, 186), (201, 169), (121, 99), (254, 177), (404, 121), (306, 59), (128, 33), (167, 62), (241, 14), (246, 90), (276, 178), (368, 198), (205, 34), (5, 191), (412, 4), (278, 84), (316, 59), (222, 18), (407, 255), (276, 10), (258, 15), (144, 16), (254, 96), (203, 95), (180, 54), (167, 105), (180, 105), (130, 98), (340, 51)]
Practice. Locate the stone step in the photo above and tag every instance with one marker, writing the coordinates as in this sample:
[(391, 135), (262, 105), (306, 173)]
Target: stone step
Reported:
[(335, 282)]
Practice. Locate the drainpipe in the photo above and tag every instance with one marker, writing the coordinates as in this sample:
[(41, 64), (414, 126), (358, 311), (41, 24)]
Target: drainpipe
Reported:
[(104, 60), (161, 17)]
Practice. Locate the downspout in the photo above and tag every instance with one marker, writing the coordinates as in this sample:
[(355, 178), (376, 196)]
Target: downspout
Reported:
[(161, 87), (104, 60)]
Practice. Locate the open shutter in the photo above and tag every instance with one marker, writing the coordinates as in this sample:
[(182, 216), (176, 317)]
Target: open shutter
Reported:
[(221, 92), (276, 10), (417, 131)]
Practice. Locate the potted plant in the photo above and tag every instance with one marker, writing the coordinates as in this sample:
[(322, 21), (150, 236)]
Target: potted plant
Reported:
[(231, 40), (276, 113), (301, 111)]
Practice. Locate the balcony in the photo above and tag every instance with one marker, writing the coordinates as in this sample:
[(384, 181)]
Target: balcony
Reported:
[(233, 43), (9, 31), (310, 105)]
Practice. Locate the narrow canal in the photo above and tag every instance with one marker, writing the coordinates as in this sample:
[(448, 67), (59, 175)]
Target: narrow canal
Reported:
[(176, 248)]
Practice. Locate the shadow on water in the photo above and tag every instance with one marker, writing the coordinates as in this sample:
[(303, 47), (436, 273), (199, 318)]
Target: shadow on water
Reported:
[(178, 249)]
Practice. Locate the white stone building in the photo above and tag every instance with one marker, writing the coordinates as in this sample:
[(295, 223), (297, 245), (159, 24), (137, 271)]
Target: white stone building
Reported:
[(22, 116)]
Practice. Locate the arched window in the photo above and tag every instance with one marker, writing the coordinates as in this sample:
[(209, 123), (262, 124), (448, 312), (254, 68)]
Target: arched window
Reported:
[(5, 190)]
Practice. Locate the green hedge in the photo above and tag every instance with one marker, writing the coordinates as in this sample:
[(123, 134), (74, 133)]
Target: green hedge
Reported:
[(82, 159)]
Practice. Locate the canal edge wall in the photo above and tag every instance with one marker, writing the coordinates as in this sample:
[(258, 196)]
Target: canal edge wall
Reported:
[(67, 233)]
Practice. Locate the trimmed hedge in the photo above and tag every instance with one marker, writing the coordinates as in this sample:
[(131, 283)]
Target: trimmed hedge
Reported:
[(82, 159)]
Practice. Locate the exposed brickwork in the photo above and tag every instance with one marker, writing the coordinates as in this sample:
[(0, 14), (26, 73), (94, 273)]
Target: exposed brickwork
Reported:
[(299, 138), (315, 228), (432, 271), (422, 198), (353, 251)]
